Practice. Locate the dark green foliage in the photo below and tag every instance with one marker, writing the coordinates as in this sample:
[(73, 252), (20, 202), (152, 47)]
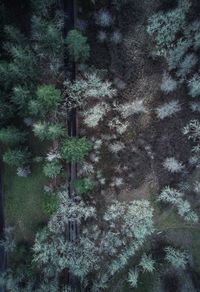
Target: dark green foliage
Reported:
[(75, 149), (6, 111), (56, 131), (83, 186), (77, 46), (21, 97), (52, 169), (12, 136), (44, 130), (16, 158), (51, 204)]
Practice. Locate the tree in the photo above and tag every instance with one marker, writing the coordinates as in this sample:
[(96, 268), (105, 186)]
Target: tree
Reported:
[(52, 169), (77, 46), (83, 186), (16, 158), (176, 258), (133, 278), (75, 149), (147, 263), (12, 136)]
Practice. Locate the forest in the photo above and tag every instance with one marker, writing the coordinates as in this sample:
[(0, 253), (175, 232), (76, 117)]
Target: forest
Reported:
[(100, 146)]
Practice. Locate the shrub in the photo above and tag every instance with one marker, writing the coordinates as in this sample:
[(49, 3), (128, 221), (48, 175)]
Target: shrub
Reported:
[(194, 85), (12, 136), (133, 276), (168, 109), (77, 45), (83, 186), (172, 165), (16, 158), (75, 149), (168, 84), (178, 259), (52, 169), (104, 18)]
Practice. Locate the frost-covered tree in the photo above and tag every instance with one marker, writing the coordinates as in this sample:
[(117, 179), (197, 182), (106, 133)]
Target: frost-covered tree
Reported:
[(194, 86), (178, 259), (173, 165), (94, 115), (175, 197), (104, 18), (91, 86), (168, 109), (133, 276), (168, 83), (147, 263), (132, 108)]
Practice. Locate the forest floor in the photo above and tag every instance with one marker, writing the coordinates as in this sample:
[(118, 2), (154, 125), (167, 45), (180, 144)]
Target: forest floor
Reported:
[(148, 141)]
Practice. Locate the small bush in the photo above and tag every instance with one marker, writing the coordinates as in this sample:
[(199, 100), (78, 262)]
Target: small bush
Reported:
[(168, 109), (194, 85), (172, 165), (104, 18), (168, 84), (83, 186), (75, 149), (78, 47)]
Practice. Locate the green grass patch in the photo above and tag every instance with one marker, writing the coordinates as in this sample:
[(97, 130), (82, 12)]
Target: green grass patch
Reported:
[(24, 201)]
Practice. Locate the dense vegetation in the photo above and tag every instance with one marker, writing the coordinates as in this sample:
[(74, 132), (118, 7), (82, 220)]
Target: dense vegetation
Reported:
[(135, 199)]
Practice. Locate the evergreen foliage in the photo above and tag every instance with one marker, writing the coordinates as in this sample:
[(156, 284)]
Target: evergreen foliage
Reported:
[(83, 186), (78, 47), (52, 169), (16, 158), (75, 149), (12, 136)]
